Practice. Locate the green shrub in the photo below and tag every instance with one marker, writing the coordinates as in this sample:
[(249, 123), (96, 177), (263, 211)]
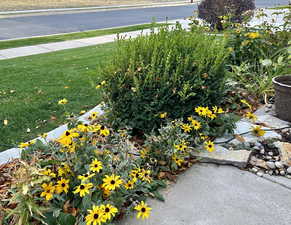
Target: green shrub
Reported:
[(168, 71)]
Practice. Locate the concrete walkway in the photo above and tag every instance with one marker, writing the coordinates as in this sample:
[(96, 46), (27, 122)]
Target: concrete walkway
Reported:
[(208, 194)]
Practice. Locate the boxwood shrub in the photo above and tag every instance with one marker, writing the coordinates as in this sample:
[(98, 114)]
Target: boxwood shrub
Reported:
[(170, 71)]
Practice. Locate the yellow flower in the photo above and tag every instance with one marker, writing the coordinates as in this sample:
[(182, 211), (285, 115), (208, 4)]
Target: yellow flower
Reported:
[(103, 82), (143, 210), (209, 146), (195, 124), (144, 175), (111, 182), (186, 127), (63, 170), (83, 127), (95, 216), (201, 111), (26, 144), (104, 131), (217, 110), (180, 147), (253, 35), (48, 172), (85, 176), (251, 116), (109, 211), (83, 189), (258, 131), (177, 160), (82, 112), (48, 192), (96, 166), (93, 115), (202, 136), (63, 101), (62, 186), (163, 115), (129, 185), (135, 173)]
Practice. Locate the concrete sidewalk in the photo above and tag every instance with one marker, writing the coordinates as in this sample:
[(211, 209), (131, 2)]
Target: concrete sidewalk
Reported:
[(208, 194), (57, 46)]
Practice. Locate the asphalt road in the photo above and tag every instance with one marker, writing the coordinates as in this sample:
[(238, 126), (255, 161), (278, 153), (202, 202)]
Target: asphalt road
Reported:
[(38, 25)]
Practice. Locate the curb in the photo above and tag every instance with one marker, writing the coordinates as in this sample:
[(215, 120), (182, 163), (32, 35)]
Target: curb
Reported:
[(98, 8)]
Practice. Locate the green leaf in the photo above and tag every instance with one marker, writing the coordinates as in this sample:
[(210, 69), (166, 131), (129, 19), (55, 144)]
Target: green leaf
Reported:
[(66, 219), (158, 196)]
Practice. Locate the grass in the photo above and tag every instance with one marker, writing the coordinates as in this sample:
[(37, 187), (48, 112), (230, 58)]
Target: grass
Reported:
[(73, 36), (30, 88), (282, 7)]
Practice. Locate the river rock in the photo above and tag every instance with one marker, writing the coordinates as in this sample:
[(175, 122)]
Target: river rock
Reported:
[(279, 164), (285, 152), (271, 165), (289, 170)]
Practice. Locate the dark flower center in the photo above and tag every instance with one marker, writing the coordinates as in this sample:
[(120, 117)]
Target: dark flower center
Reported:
[(143, 209), (102, 128), (67, 133), (96, 165), (63, 184), (96, 216), (86, 175), (82, 187), (107, 210), (112, 182)]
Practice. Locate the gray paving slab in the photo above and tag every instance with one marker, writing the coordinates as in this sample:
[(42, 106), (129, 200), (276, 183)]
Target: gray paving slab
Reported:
[(220, 195)]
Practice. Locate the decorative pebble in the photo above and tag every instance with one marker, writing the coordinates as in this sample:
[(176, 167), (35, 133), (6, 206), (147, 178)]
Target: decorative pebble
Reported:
[(271, 165), (262, 151), (282, 172), (279, 165), (260, 174), (277, 172), (289, 170), (270, 172), (254, 169), (270, 153)]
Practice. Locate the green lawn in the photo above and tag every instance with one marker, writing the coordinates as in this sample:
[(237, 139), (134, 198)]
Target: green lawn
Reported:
[(73, 36), (30, 88)]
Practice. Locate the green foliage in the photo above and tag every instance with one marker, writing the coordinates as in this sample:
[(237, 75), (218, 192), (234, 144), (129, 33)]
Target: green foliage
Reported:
[(167, 71)]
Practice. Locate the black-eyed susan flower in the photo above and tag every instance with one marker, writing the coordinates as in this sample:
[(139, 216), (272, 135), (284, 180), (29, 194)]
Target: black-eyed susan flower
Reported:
[(144, 175), (111, 182), (109, 211), (82, 112), (177, 160), (209, 146), (134, 173), (202, 136), (95, 216), (63, 101), (49, 172), (258, 131), (181, 147), (143, 153), (48, 191), (129, 185), (186, 127), (63, 170), (251, 116), (143, 210), (96, 166), (62, 186), (85, 176), (26, 144), (83, 189), (93, 115), (195, 124), (253, 35), (104, 131), (201, 111)]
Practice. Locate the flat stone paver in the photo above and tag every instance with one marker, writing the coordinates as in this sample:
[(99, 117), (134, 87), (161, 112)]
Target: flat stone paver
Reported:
[(208, 194)]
